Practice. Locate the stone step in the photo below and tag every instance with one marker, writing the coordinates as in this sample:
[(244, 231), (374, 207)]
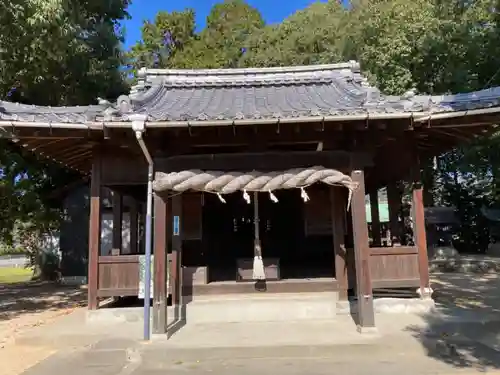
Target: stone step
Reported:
[(265, 307)]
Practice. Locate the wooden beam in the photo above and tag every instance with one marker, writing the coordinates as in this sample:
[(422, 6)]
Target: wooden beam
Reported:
[(453, 134), (402, 250), (338, 208), (160, 265), (117, 240), (366, 314), (394, 202), (124, 169), (419, 233), (54, 147), (76, 158), (41, 146), (375, 218), (182, 139), (265, 161), (67, 153), (94, 232), (134, 226)]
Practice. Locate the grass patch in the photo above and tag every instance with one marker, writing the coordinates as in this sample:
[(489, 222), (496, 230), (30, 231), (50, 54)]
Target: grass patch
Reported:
[(11, 275)]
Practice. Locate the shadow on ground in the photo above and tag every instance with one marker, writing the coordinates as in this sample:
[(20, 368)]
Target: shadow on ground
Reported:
[(465, 330), (34, 297)]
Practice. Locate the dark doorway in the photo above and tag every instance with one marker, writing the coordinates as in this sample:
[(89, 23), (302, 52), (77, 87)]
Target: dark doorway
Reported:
[(282, 229), (228, 229)]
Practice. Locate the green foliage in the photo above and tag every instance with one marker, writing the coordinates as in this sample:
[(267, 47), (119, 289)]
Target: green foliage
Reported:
[(11, 250), (52, 52), (314, 35), (60, 51), (12, 275), (162, 39), (171, 42), (25, 186)]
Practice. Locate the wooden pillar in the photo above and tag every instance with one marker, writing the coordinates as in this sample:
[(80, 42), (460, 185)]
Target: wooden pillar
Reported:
[(375, 218), (176, 277), (394, 201), (160, 294), (134, 226), (366, 315), (338, 208), (116, 248), (94, 232), (420, 235)]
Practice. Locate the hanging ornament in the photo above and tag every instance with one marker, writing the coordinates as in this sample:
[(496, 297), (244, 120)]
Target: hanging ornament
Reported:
[(221, 198), (304, 195), (273, 197), (258, 271), (349, 197), (246, 197)]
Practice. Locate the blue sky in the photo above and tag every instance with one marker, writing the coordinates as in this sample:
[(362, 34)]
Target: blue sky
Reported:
[(272, 10)]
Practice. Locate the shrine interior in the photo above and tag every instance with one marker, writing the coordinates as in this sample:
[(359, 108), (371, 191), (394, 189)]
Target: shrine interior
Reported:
[(292, 249)]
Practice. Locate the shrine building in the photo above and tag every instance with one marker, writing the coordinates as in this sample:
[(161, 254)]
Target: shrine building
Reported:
[(243, 181)]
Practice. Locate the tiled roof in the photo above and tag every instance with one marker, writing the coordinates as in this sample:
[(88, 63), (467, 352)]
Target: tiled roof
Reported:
[(266, 93), (31, 113), (254, 94), (278, 93)]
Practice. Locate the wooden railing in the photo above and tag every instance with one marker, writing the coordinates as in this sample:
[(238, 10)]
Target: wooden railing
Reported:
[(390, 267), (118, 276), (394, 267)]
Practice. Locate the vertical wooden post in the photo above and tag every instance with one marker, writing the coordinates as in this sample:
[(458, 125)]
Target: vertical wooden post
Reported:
[(176, 249), (375, 218), (134, 226), (160, 265), (338, 211), (94, 231), (116, 248), (366, 315), (420, 235), (394, 201)]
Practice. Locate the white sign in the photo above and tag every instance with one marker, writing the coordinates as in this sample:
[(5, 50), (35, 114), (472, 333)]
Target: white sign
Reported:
[(142, 276)]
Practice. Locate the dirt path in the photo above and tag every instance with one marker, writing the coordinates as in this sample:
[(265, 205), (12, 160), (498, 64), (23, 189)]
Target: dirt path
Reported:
[(467, 292), (25, 306)]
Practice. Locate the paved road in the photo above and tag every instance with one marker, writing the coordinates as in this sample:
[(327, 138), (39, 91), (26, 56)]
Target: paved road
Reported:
[(137, 359), (13, 261)]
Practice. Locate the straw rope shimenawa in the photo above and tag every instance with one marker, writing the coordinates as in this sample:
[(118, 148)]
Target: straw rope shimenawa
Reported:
[(220, 183)]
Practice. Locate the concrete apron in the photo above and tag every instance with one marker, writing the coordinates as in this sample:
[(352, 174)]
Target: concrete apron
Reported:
[(241, 321), (269, 320), (241, 308)]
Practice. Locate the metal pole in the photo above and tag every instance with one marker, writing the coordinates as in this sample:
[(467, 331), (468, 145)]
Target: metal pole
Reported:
[(139, 127), (147, 275)]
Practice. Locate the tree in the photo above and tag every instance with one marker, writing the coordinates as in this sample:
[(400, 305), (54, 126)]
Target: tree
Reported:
[(57, 52), (171, 42), (162, 40), (60, 51), (315, 35)]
